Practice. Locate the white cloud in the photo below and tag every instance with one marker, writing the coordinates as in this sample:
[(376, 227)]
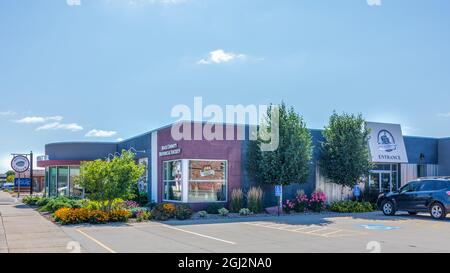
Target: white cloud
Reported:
[(7, 113), (36, 119), (100, 133), (220, 56), (119, 139), (142, 3), (60, 126), (444, 115)]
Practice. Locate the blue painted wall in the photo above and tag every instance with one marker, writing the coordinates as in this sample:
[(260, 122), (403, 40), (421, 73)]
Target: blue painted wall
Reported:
[(79, 150)]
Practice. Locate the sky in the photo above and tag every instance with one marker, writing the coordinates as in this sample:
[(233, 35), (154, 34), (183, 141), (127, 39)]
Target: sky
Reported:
[(103, 70)]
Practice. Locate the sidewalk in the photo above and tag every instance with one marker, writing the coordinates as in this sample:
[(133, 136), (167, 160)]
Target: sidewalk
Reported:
[(22, 229)]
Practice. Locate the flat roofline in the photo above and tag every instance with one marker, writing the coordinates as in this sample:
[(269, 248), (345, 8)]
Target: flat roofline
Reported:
[(221, 123)]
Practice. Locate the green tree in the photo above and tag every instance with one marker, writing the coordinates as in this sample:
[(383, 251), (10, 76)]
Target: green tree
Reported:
[(8, 173), (10, 178), (290, 162), (105, 181), (345, 155)]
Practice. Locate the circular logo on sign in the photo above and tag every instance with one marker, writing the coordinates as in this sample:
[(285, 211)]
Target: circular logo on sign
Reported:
[(386, 141), (20, 164)]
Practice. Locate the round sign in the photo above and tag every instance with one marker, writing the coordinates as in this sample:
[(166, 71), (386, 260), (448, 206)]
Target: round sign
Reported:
[(20, 164)]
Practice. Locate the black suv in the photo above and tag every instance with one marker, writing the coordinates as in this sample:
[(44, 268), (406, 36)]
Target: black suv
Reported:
[(423, 195)]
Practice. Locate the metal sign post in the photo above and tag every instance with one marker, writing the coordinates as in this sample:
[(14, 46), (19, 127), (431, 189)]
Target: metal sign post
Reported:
[(279, 194), (21, 164)]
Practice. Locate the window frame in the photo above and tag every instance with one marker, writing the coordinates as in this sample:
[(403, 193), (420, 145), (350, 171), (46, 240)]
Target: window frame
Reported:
[(208, 181), (185, 181), (164, 181)]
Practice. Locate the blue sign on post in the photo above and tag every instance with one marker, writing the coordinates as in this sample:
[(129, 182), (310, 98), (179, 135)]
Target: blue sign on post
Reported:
[(278, 190), (24, 182)]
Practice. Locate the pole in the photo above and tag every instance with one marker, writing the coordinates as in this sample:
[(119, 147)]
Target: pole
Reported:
[(18, 186), (31, 173)]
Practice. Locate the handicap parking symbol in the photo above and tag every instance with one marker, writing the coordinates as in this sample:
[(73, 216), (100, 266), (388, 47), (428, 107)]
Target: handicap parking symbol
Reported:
[(379, 227)]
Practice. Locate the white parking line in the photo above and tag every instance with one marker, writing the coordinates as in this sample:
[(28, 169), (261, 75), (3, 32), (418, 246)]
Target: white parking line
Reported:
[(316, 230), (201, 235), (331, 233)]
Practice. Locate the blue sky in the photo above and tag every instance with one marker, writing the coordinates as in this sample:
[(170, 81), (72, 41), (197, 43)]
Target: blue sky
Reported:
[(110, 69)]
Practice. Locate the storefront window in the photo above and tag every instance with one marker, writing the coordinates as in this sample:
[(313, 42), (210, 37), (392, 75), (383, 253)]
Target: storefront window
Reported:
[(52, 181), (63, 181), (75, 190), (46, 181), (207, 181), (172, 180), (142, 183)]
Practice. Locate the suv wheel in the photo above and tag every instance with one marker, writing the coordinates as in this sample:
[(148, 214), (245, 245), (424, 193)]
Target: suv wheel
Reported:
[(388, 208), (437, 211)]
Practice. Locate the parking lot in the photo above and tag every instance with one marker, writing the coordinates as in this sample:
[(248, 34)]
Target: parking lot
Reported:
[(369, 232)]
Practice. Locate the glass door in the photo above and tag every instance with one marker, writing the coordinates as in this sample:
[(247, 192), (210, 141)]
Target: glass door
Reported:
[(385, 182)]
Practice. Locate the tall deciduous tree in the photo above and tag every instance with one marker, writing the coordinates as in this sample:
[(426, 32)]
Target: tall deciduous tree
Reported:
[(289, 163), (105, 181), (345, 155)]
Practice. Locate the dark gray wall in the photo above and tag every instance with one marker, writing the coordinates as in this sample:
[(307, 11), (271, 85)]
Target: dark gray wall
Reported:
[(444, 156), (79, 150), (421, 145)]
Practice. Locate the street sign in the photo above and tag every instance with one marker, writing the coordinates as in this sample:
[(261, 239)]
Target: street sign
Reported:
[(20, 163), (278, 190), (24, 182)]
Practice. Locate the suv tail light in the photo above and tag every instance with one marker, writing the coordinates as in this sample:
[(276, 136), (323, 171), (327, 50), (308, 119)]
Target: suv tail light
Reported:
[(448, 193)]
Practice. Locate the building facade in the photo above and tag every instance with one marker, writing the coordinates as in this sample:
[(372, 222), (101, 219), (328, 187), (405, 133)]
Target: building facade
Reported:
[(200, 171)]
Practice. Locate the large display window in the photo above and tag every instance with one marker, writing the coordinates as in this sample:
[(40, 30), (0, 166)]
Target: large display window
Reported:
[(60, 181), (195, 181), (207, 181)]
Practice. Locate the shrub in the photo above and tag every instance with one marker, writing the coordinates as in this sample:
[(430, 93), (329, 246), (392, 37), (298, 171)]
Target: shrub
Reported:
[(245, 212), (289, 205), (119, 215), (54, 204), (214, 208), (255, 199), (223, 212), (71, 216), (202, 214), (163, 212), (301, 202), (135, 211), (351, 206), (98, 217), (317, 201), (31, 200), (42, 202), (237, 200), (183, 212), (103, 205), (143, 215), (129, 204)]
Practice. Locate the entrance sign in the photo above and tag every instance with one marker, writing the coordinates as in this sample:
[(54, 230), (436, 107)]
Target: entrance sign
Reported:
[(386, 143), (20, 164)]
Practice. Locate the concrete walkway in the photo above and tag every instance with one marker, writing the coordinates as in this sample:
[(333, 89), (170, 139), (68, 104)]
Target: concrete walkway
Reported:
[(22, 229)]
